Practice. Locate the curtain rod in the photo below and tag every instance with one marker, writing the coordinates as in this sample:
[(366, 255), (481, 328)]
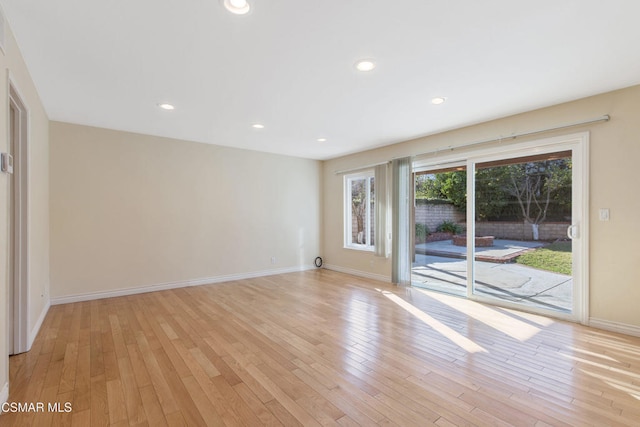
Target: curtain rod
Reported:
[(604, 118), (359, 168)]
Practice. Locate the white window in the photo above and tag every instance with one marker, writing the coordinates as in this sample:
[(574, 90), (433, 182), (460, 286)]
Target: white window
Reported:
[(359, 211)]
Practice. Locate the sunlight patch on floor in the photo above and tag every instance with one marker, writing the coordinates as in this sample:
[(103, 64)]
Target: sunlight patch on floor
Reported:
[(508, 325), (591, 353), (636, 377), (624, 387), (455, 337), (535, 318)]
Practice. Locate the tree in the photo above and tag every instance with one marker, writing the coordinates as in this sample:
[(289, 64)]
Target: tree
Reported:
[(491, 198), (531, 191), (534, 183), (453, 186), (450, 186), (359, 206), (426, 188), (362, 193), (492, 201)]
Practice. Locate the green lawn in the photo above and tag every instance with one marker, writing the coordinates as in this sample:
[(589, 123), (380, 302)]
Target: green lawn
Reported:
[(555, 257)]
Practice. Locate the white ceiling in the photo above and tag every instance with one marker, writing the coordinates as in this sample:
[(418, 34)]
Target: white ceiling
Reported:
[(289, 65)]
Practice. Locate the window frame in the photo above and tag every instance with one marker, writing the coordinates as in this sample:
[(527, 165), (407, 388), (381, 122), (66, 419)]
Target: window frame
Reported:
[(367, 175)]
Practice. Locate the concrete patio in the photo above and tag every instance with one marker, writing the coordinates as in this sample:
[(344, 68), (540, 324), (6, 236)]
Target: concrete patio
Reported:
[(442, 266), (502, 250)]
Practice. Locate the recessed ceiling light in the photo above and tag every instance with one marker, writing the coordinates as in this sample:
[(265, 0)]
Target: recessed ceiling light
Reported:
[(321, 139), (237, 7), (166, 106), (439, 100), (257, 126), (365, 65)]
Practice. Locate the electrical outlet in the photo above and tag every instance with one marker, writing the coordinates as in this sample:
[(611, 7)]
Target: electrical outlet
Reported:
[(273, 260)]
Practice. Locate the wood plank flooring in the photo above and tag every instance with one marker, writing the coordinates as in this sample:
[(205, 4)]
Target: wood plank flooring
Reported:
[(320, 348)]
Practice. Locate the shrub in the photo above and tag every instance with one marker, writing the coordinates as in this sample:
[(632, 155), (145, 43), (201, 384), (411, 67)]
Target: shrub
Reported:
[(449, 227), (422, 231)]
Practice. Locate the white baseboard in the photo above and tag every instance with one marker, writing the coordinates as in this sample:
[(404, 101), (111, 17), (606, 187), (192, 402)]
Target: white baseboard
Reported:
[(359, 273), (608, 325), (174, 285), (4, 394), (36, 327)]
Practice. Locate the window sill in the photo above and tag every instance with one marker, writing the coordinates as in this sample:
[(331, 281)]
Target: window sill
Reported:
[(362, 248)]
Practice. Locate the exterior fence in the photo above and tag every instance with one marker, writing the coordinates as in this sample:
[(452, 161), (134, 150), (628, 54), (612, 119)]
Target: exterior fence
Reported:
[(521, 230), (433, 214)]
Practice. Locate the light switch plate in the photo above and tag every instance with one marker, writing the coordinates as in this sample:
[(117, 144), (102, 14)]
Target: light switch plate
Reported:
[(604, 214), (6, 162)]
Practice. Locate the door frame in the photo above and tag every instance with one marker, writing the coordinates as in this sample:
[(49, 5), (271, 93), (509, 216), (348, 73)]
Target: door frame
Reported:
[(578, 143), (19, 283)]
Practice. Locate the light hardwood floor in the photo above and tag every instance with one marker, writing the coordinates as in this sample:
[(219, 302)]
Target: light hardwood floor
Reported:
[(320, 347)]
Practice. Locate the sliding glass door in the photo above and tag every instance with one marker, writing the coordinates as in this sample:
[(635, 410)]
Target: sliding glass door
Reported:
[(506, 226), (439, 215), (523, 209)]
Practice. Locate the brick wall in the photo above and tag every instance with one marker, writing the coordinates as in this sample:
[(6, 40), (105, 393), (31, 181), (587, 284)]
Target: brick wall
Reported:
[(521, 230), (433, 215)]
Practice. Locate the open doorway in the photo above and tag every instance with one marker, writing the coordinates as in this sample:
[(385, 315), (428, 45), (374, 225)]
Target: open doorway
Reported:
[(439, 215), (18, 214)]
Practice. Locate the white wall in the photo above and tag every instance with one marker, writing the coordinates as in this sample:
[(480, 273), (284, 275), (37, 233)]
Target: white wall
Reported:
[(12, 64), (614, 153), (131, 211)]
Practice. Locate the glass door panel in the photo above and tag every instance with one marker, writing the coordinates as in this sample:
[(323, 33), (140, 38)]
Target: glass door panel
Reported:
[(522, 210), (439, 255)]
